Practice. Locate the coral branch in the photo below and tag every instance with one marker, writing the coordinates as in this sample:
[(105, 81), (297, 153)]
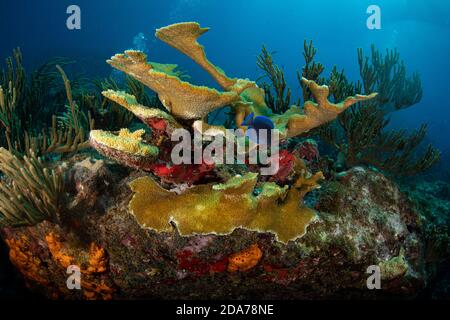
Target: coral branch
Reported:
[(180, 98), (145, 114), (183, 37), (387, 75), (311, 70), (185, 101), (315, 114)]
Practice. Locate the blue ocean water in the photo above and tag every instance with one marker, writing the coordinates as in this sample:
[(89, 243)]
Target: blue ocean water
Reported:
[(418, 28)]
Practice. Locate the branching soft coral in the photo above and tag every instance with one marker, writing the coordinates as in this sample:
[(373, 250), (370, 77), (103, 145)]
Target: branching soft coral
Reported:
[(33, 193), (278, 95), (387, 75), (360, 135), (23, 125)]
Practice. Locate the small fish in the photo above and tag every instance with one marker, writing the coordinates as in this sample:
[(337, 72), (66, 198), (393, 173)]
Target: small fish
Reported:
[(257, 123)]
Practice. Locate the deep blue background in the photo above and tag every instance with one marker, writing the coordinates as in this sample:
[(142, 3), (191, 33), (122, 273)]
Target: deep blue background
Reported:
[(418, 28)]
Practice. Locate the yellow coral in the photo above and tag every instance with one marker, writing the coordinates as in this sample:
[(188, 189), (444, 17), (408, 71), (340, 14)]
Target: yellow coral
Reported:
[(137, 135), (296, 120), (183, 37), (317, 114), (222, 208), (124, 142), (129, 102), (245, 260), (181, 98), (167, 68), (186, 101)]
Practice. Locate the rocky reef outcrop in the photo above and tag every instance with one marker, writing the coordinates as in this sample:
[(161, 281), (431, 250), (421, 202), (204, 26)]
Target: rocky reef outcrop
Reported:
[(362, 220)]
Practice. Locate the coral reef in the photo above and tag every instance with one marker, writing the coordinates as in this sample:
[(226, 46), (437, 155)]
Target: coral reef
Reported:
[(184, 102), (140, 226)]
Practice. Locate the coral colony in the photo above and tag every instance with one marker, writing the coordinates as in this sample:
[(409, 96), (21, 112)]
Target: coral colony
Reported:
[(179, 200), (183, 102)]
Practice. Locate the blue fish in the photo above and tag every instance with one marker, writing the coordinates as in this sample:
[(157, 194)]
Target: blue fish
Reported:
[(257, 123)]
